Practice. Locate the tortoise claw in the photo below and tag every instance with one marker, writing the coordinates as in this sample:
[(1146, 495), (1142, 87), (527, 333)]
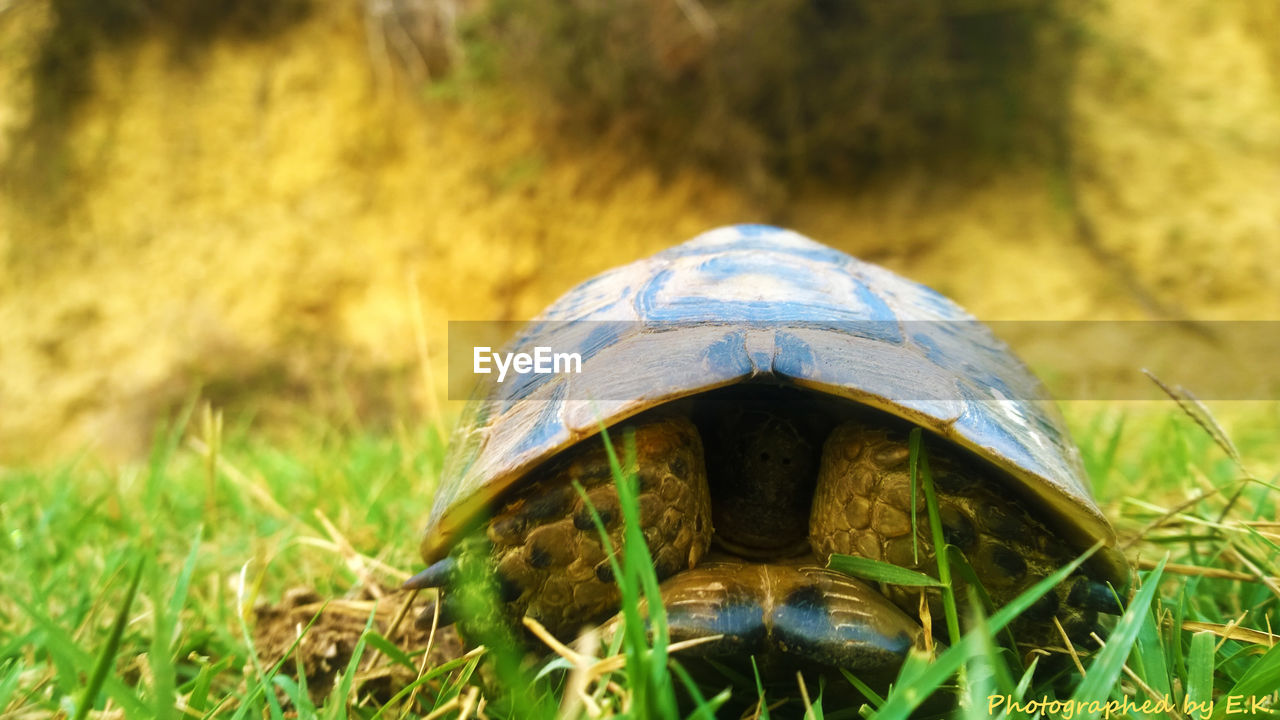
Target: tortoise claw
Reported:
[(433, 577)]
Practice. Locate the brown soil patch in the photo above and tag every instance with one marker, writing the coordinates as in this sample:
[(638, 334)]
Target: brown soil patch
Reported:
[(332, 629)]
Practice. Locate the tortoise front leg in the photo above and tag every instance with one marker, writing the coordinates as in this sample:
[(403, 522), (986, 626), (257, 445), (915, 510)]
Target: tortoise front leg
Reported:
[(545, 549)]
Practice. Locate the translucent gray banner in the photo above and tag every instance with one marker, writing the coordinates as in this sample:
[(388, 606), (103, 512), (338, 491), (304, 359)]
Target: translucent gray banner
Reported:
[(1075, 360)]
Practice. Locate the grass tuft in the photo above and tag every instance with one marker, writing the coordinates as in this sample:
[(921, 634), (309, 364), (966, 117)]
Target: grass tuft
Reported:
[(85, 630), (107, 656)]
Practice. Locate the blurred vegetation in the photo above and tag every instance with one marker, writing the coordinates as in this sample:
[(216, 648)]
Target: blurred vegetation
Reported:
[(225, 198), (84, 27), (62, 70), (779, 90)]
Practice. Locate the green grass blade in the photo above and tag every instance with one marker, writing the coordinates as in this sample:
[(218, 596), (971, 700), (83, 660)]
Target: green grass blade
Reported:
[(107, 656), (949, 607), (979, 675), (454, 688), (10, 673), (275, 712), (168, 604), (1103, 674), (182, 587), (760, 698), (1177, 659), (297, 694), (1028, 675), (468, 663), (814, 711), (160, 656), (960, 567), (878, 571), (390, 649), (1150, 655), (995, 659), (873, 698), (1200, 670), (702, 708), (198, 694), (921, 673), (633, 623), (67, 656), (1262, 679), (342, 695), (554, 665), (646, 661), (921, 676)]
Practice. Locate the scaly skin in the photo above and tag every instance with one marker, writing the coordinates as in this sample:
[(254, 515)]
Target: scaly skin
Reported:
[(862, 507)]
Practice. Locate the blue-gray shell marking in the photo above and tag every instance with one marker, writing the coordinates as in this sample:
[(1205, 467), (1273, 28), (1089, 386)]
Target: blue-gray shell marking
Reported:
[(753, 301)]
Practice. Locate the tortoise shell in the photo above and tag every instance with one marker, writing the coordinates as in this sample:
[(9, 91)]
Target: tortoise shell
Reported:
[(759, 303)]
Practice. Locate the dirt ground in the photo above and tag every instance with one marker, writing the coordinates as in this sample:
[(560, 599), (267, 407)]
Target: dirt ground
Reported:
[(260, 224), (332, 629)]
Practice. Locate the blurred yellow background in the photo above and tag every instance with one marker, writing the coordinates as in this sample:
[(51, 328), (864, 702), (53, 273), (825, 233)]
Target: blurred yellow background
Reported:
[(260, 221)]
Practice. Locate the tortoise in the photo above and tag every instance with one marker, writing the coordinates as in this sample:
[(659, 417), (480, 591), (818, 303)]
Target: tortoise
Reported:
[(770, 384)]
